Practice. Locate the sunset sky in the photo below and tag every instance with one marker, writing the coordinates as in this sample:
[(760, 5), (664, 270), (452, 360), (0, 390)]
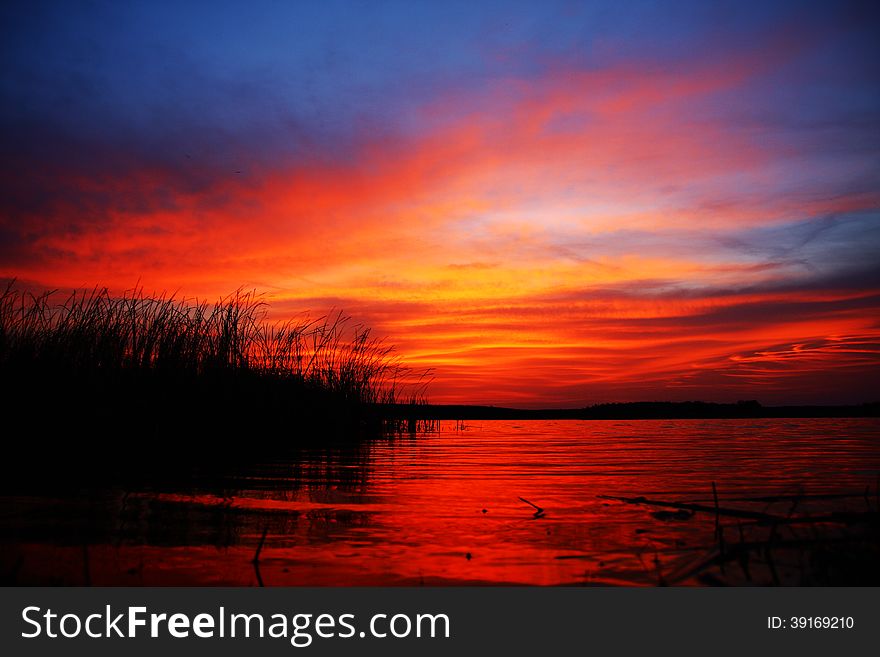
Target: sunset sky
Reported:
[(551, 204)]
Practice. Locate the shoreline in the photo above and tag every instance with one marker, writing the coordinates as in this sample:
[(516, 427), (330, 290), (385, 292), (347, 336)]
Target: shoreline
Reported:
[(629, 411)]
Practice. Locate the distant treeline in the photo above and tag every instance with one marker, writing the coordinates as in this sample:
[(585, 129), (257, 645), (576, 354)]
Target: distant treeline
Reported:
[(631, 411)]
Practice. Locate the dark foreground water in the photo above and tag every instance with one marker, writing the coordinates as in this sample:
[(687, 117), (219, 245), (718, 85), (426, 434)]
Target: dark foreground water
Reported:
[(445, 508)]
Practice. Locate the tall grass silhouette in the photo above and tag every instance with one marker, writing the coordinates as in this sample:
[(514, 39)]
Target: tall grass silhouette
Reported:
[(188, 374), (92, 331)]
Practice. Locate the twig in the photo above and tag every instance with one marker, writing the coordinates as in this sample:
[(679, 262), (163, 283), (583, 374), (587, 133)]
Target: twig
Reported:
[(798, 496), (715, 497), (538, 510), (256, 558), (734, 513)]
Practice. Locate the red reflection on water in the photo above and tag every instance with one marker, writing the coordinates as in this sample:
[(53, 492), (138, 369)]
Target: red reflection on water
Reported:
[(445, 508)]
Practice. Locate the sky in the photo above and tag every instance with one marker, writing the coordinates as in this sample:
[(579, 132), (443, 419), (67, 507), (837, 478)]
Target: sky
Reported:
[(545, 203)]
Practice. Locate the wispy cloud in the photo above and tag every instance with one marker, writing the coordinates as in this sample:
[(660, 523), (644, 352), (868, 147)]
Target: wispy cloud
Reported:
[(540, 225)]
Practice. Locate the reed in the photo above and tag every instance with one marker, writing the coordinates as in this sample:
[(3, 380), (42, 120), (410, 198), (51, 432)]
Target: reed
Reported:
[(191, 372), (93, 331)]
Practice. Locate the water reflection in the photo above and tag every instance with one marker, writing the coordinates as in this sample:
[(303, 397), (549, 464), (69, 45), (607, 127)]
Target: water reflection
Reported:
[(446, 508)]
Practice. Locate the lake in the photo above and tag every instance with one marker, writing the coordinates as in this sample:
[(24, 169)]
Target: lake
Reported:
[(447, 508)]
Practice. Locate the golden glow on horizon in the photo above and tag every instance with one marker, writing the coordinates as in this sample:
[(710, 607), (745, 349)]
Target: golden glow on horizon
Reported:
[(539, 253)]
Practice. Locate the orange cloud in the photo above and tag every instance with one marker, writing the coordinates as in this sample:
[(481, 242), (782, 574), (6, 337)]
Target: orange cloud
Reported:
[(456, 244)]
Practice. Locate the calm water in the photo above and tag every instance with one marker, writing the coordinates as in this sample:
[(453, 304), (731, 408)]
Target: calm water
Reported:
[(444, 507)]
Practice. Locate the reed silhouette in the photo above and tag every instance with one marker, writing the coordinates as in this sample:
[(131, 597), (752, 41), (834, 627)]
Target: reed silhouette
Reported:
[(135, 380)]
